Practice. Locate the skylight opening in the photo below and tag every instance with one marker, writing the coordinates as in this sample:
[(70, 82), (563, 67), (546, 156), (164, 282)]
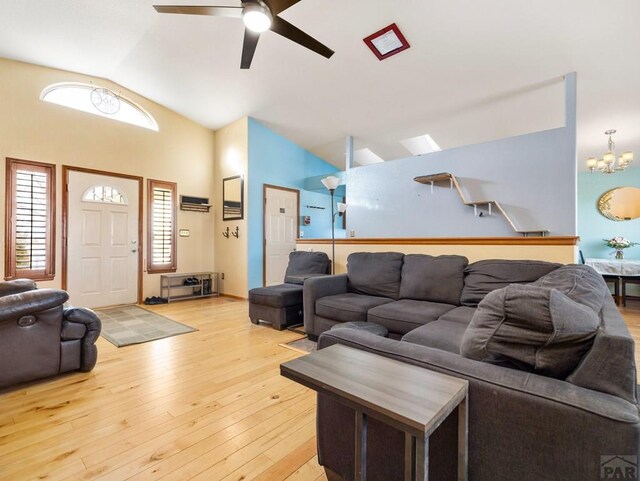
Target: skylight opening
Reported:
[(98, 101), (422, 144), (367, 157)]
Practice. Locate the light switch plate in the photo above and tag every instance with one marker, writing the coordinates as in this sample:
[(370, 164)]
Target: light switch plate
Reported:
[(184, 233)]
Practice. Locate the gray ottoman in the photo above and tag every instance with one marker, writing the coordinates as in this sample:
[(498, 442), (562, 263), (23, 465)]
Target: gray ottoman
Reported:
[(280, 305), (371, 327)]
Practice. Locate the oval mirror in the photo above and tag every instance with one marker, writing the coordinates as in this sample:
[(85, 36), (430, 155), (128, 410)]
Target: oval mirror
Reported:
[(620, 204)]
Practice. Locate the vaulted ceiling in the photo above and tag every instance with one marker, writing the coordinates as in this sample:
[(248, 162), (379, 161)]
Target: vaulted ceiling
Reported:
[(475, 70)]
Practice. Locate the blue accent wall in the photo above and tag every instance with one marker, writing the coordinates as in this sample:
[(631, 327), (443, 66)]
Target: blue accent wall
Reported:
[(276, 160), (592, 226)]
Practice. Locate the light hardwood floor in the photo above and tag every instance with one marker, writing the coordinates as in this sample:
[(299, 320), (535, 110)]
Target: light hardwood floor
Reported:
[(208, 405), (204, 406)]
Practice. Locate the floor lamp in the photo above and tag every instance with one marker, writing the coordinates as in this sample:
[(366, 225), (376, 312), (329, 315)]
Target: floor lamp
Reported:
[(332, 183)]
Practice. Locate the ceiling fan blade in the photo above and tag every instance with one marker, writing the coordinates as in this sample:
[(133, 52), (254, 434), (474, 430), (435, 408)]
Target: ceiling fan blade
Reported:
[(278, 6), (284, 28), (235, 12), (249, 47)]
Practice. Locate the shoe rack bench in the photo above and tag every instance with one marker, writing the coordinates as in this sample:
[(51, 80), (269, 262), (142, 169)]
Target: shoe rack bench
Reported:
[(202, 284)]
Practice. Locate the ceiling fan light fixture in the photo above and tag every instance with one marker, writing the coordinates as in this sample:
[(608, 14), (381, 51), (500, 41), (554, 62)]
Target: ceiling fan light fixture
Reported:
[(257, 18)]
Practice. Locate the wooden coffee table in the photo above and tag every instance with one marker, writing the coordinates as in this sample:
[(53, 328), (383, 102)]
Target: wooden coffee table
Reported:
[(386, 389)]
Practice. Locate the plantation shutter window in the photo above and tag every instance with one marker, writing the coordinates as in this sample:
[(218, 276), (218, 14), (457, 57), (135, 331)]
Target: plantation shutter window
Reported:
[(162, 206), (30, 231)]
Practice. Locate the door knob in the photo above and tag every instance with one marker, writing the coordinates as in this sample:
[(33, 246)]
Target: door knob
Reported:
[(133, 249)]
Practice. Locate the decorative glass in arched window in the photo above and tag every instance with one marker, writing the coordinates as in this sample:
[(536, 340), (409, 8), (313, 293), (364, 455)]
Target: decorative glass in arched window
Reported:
[(104, 194), (99, 101)]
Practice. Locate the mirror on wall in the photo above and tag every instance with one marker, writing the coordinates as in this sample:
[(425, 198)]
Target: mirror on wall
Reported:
[(620, 204), (233, 198)]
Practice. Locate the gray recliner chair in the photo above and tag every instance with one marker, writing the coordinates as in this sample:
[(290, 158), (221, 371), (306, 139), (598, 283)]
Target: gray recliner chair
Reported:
[(39, 337), (281, 305)]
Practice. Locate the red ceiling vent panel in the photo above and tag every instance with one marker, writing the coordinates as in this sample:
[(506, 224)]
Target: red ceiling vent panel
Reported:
[(387, 42)]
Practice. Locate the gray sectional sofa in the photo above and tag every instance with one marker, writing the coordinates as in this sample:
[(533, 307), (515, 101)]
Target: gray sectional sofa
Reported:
[(406, 292), (549, 359)]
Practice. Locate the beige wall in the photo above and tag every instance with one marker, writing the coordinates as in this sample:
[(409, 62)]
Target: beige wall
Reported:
[(182, 151), (564, 254), (231, 158)]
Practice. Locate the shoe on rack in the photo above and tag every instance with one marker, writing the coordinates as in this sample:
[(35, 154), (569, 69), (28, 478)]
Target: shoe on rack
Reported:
[(154, 301)]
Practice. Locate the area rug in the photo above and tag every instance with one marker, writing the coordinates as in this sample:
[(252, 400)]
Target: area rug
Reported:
[(126, 325), (301, 345)]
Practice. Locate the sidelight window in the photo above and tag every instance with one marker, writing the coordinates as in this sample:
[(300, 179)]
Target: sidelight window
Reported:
[(30, 231), (162, 206)]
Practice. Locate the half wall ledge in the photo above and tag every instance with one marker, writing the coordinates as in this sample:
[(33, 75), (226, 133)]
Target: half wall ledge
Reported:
[(479, 241), (562, 249)]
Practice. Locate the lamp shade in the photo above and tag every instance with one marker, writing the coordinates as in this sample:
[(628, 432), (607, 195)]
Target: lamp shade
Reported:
[(609, 158), (627, 156), (592, 162), (331, 182), (601, 164), (342, 207)]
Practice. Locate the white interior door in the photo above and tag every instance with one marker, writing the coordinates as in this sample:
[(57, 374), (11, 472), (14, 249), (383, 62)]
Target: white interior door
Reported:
[(280, 226), (102, 242)]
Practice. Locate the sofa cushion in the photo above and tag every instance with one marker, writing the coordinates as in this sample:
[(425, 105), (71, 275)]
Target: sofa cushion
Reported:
[(375, 273), (539, 329), (443, 335), (348, 307), (485, 276), (303, 265), (405, 315), (282, 295), (578, 282), (462, 315), (436, 279)]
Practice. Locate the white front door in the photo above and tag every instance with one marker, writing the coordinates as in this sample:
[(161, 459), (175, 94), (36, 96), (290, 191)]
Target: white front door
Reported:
[(280, 226), (102, 242)]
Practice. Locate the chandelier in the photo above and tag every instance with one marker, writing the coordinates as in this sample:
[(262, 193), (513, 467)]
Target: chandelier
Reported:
[(607, 164)]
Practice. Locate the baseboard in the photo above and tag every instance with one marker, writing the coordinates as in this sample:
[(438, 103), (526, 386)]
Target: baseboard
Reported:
[(231, 296)]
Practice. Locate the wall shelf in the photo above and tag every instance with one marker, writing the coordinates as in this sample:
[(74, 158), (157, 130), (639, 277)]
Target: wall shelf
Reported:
[(479, 206), (194, 204)]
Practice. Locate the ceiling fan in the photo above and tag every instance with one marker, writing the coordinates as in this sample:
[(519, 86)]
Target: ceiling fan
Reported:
[(258, 16)]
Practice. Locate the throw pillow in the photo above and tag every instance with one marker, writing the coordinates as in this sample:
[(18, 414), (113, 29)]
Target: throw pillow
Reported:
[(538, 329), (578, 282)]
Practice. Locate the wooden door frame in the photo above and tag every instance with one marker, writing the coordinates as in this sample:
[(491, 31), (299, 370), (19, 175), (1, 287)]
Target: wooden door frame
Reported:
[(65, 217), (264, 224)]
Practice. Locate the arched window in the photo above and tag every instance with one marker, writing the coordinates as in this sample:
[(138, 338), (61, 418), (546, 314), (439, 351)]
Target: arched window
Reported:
[(104, 194), (98, 101)]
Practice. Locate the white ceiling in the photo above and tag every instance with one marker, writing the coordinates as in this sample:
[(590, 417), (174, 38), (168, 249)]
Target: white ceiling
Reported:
[(475, 70)]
